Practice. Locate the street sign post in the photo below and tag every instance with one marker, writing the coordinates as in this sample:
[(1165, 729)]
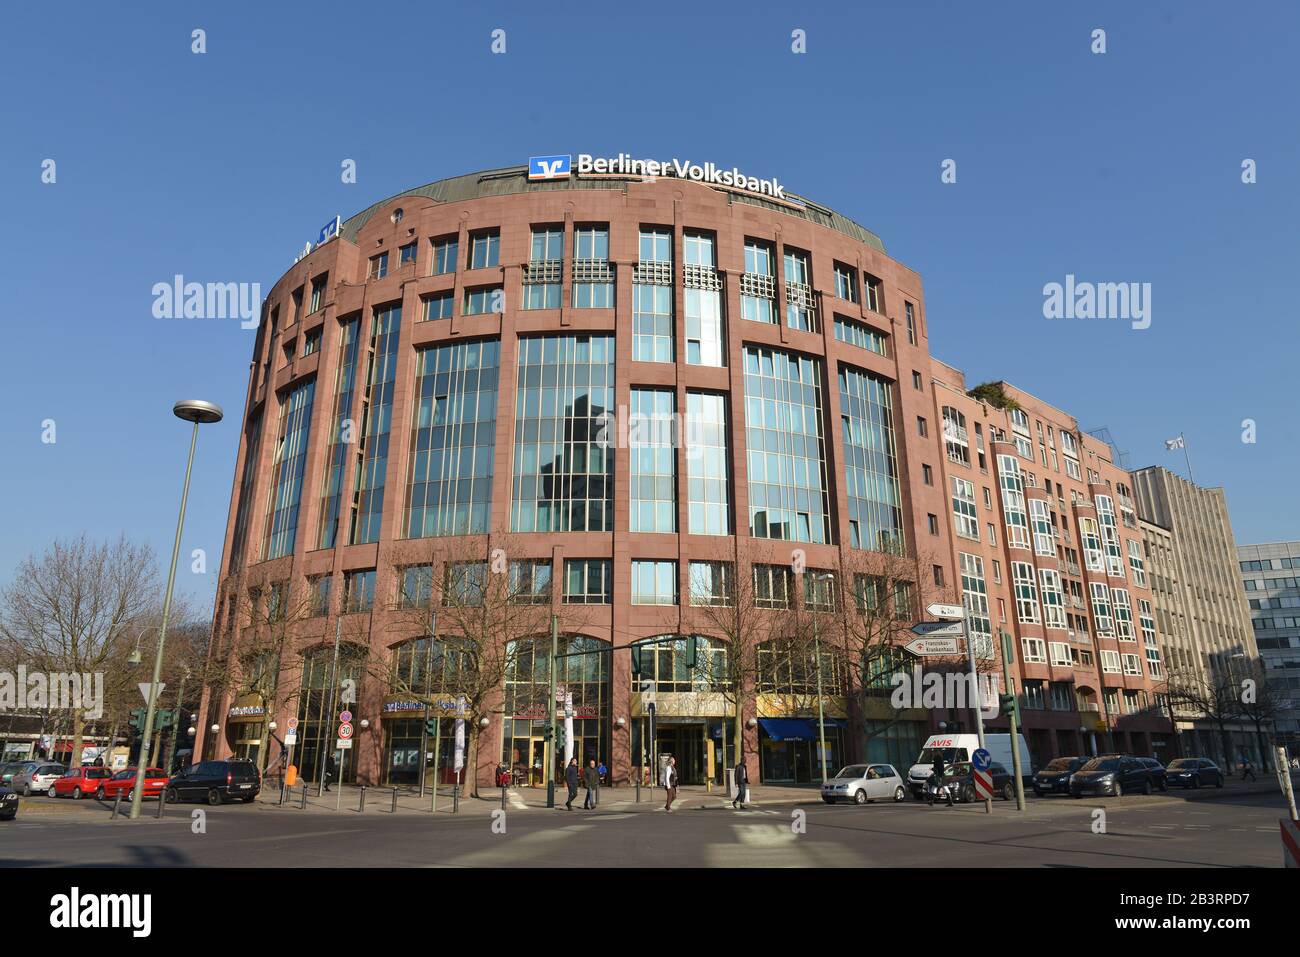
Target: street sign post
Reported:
[(983, 784), (940, 610), (933, 646)]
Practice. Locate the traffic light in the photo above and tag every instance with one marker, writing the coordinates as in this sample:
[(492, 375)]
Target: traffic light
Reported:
[(548, 733), (559, 737), (163, 720), (636, 660), (137, 720), (692, 652), (1007, 705)]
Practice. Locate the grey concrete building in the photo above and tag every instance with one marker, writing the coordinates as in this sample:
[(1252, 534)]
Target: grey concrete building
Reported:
[(1203, 621), (1271, 576)]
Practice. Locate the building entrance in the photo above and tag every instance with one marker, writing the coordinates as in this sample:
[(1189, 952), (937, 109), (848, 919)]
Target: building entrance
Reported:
[(686, 743)]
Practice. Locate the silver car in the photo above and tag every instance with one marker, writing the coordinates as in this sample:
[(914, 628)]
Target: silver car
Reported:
[(36, 777), (861, 783)]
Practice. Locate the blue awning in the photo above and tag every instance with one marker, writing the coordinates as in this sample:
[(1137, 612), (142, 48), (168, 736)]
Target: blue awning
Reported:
[(788, 729)]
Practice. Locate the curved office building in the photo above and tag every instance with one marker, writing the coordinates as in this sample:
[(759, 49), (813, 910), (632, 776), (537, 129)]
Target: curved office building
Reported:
[(620, 404)]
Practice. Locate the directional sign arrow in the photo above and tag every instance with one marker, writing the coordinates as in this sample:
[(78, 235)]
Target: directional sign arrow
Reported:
[(933, 646), (938, 629), (940, 610), (144, 687)]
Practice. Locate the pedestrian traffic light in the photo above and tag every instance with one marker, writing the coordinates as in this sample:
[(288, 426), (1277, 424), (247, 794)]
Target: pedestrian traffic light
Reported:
[(559, 736), (548, 733), (137, 719), (692, 652), (636, 659), (1007, 705)]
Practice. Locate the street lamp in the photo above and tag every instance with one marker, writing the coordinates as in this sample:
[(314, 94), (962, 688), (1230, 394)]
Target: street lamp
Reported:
[(200, 413), (817, 666)]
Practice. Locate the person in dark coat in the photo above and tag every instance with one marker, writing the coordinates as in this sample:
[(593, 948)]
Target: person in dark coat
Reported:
[(331, 769), (571, 779), (939, 771), (591, 781), (742, 782)]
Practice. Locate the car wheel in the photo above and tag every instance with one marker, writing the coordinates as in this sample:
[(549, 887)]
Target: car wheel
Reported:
[(172, 796), (860, 796), (1219, 782), (1196, 781), (968, 795), (828, 800), (1119, 790), (899, 794), (214, 797), (99, 794), (1146, 786), (27, 790), (1008, 792), (1164, 784), (76, 794)]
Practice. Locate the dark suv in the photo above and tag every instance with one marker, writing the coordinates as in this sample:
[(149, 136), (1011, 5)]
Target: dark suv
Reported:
[(1112, 774), (1055, 778), (215, 782), (1194, 772)]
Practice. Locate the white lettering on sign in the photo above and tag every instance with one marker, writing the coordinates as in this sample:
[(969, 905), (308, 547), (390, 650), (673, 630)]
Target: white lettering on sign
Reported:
[(625, 165)]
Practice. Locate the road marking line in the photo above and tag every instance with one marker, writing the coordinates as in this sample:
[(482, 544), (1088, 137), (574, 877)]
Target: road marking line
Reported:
[(292, 837)]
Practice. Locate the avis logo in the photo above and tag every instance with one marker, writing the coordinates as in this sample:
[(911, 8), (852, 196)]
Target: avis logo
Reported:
[(549, 167)]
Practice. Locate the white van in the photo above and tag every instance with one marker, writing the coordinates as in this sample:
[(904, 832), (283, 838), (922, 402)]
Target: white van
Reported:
[(957, 748)]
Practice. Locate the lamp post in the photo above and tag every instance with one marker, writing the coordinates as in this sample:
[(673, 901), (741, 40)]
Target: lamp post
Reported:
[(817, 666), (198, 412)]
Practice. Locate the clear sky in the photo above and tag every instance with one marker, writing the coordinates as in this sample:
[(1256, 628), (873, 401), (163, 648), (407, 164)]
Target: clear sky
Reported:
[(1118, 167)]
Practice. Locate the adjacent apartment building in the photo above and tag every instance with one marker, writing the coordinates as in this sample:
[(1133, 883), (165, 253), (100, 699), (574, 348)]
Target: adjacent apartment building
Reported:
[(1271, 576), (1201, 611)]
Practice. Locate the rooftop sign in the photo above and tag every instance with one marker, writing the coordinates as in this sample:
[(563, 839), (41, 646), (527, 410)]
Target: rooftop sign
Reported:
[(561, 167)]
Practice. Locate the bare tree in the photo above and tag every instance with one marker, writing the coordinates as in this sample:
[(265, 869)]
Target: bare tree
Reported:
[(73, 611), (1209, 693), (1258, 704)]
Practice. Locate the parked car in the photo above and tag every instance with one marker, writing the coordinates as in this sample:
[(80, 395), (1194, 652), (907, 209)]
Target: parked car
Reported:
[(861, 783), (36, 777), (1055, 778), (1157, 770), (1111, 774), (8, 804), (956, 748), (960, 779), (8, 770), (1193, 772), (79, 782), (123, 783), (215, 782)]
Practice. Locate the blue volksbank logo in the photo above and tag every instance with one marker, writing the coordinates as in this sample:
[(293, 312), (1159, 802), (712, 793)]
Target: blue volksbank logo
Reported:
[(549, 167)]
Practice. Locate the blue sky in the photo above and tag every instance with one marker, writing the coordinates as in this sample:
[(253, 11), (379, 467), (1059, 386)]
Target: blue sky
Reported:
[(1118, 167)]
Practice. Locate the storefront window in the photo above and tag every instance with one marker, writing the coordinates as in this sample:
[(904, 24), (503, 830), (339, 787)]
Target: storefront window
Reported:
[(318, 708)]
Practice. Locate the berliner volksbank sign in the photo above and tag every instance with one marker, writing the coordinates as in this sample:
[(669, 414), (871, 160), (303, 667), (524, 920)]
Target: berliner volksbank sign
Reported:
[(560, 167)]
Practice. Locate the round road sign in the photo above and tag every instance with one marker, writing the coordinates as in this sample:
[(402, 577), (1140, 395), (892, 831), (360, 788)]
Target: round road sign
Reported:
[(345, 730), (981, 759), (346, 717)]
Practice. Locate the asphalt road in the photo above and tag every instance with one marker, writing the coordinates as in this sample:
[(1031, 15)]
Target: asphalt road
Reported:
[(1157, 831)]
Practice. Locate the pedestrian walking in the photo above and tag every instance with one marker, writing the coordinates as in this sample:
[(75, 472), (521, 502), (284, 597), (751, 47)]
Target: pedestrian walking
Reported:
[(571, 779), (591, 781), (670, 782), (331, 769), (1247, 769), (742, 783), (936, 780), (602, 778)]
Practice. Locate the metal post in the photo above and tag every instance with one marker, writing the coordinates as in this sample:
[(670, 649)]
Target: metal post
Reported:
[(977, 704), (303, 805), (162, 628), (1284, 776), (437, 754), (550, 716), (162, 802), (455, 798), (117, 803), (329, 718), (362, 807), (394, 811), (821, 711), (1015, 740), (180, 719)]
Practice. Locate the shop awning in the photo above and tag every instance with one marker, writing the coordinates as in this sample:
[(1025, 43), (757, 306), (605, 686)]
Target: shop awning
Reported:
[(788, 729)]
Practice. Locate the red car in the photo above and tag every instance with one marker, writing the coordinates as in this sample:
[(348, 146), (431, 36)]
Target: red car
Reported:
[(80, 782), (123, 783)]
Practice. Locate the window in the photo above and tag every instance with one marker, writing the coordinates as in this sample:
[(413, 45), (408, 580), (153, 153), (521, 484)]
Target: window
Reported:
[(1044, 543), (1034, 650), (593, 277), (542, 274), (933, 521), (464, 583), (297, 304), (846, 283), (311, 342), (484, 249), (483, 299), (652, 458), (414, 586), (708, 465), (318, 595), (956, 440), (1022, 574), (587, 581), (1123, 614), (340, 436), (800, 305), (318, 292), (652, 298), (861, 335), (376, 414), (1110, 536), (757, 285), (453, 439), (1101, 607), (438, 305), (975, 600), (1132, 664), (1092, 557), (873, 289), (1049, 580), (911, 322), (654, 583), (772, 586), (530, 581), (788, 493), (1136, 563), (378, 266), (702, 302), (444, 255), (359, 590), (820, 590), (916, 381), (712, 583), (563, 471), (1110, 662), (288, 466), (1060, 652), (964, 512), (927, 474), (921, 428), (1013, 501), (406, 254)]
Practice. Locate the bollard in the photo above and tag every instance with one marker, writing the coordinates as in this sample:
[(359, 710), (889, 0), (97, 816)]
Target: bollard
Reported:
[(162, 802), (117, 803), (394, 811), (281, 801), (361, 809), (433, 800), (503, 798), (303, 805), (455, 799), (338, 801)]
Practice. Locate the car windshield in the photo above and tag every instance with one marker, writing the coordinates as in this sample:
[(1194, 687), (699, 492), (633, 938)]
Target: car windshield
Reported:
[(1059, 764), (1102, 764), (1182, 763), (852, 771), (960, 768), (949, 755)]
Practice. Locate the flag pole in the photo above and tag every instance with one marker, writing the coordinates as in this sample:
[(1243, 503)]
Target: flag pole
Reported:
[(1187, 458)]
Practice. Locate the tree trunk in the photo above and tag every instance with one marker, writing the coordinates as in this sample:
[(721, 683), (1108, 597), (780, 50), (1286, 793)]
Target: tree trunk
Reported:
[(78, 726)]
